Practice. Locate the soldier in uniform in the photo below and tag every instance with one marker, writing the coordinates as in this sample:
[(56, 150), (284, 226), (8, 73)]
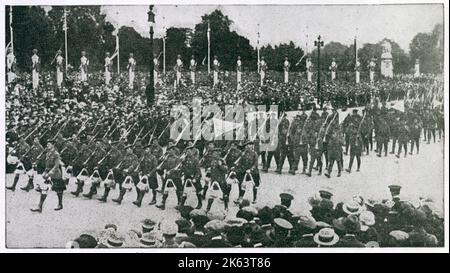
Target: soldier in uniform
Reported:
[(171, 166), (107, 165), (192, 68), (33, 154), (298, 142), (403, 137), (21, 150), (35, 68), (218, 173), (127, 169), (190, 169), (366, 131), (334, 152), (315, 145), (356, 147), (415, 129), (382, 135), (248, 165), (272, 153), (84, 63), (53, 173), (282, 147)]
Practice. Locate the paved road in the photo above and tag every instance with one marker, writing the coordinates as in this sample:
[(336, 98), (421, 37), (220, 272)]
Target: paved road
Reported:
[(420, 175)]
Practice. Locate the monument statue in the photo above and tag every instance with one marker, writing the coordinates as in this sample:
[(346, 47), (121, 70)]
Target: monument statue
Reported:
[(387, 68)]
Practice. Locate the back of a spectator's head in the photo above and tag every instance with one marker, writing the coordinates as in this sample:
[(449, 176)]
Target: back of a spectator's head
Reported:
[(86, 241)]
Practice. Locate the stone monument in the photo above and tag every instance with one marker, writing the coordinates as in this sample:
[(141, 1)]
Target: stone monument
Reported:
[(387, 68)]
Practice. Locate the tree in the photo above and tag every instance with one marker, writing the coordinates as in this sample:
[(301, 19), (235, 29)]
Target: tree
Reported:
[(428, 48), (227, 45), (32, 29), (275, 56), (333, 50)]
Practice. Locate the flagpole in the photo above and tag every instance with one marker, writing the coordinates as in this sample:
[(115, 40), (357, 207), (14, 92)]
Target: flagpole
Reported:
[(257, 47), (164, 55), (11, 28), (65, 37), (118, 52), (209, 47)]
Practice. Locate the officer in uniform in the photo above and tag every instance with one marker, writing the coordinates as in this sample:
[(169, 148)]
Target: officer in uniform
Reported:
[(272, 153), (403, 137), (283, 143), (356, 148), (248, 165)]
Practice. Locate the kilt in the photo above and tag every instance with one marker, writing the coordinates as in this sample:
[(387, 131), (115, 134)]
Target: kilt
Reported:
[(255, 174), (58, 185), (153, 182)]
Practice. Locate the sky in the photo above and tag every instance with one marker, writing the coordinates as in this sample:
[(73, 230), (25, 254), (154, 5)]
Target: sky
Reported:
[(300, 24)]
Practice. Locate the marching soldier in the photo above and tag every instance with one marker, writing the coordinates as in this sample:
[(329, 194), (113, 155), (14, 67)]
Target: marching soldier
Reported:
[(282, 147), (192, 68), (239, 71), (10, 65), (59, 68), (299, 143), (218, 174), (273, 153), (84, 64), (356, 148), (107, 165), (415, 126), (315, 150), (216, 68), (286, 67), (52, 175), (366, 131), (248, 169), (131, 67), (125, 172), (20, 151), (334, 152), (382, 133), (170, 166), (403, 137), (190, 169), (35, 68), (262, 70), (33, 154)]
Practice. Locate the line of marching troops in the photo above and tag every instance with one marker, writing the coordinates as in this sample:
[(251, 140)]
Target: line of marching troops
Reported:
[(100, 152)]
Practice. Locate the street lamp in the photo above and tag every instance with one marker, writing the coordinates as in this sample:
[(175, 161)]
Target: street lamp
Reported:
[(150, 90), (319, 44)]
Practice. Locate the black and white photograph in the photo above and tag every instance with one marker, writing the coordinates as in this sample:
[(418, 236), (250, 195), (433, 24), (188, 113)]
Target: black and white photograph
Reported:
[(272, 126)]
